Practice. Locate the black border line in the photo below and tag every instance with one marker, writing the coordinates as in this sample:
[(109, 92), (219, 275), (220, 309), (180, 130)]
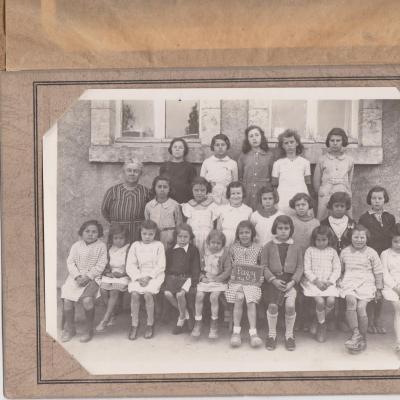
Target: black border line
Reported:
[(35, 86)]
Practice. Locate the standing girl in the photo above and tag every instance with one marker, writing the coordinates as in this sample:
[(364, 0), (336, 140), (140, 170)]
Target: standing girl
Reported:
[(334, 170), (322, 269), (163, 210), (283, 268), (182, 273), (219, 169), (342, 225), (244, 252), (391, 266), (362, 281), (264, 217), (86, 262), (200, 211), (291, 173), (115, 280), (231, 214), (254, 164), (215, 271), (303, 222), (145, 265), (381, 225), (180, 171)]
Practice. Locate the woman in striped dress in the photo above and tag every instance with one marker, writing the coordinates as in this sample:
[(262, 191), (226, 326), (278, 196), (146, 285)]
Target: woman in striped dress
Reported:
[(124, 203)]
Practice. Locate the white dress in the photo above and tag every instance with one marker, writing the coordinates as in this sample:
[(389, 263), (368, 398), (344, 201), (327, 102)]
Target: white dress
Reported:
[(263, 226), (229, 218), (220, 172), (290, 174), (391, 274), (83, 259), (360, 269), (117, 257), (201, 217), (146, 260), (323, 265)]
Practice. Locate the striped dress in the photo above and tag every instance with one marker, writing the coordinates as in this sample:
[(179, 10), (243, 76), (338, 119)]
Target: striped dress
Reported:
[(126, 207)]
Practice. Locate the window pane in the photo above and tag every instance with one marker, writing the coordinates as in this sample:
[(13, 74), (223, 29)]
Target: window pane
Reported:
[(288, 114), (182, 118), (333, 114), (137, 118)]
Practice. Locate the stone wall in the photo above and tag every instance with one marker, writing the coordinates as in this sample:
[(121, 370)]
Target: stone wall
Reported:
[(82, 184)]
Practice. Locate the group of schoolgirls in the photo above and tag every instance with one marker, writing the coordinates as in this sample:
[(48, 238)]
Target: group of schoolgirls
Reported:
[(257, 211)]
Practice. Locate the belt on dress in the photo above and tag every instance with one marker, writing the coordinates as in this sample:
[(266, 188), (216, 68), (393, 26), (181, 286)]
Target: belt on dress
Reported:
[(178, 275)]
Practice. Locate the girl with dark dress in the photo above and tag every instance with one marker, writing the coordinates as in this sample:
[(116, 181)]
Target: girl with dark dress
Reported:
[(180, 171), (182, 275), (381, 226)]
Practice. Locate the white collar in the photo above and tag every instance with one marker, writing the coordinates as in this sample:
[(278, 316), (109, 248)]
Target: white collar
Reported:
[(154, 203), (226, 158), (338, 221), (289, 241), (180, 247)]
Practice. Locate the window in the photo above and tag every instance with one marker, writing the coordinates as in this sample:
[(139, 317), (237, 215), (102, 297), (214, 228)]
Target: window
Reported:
[(182, 119)]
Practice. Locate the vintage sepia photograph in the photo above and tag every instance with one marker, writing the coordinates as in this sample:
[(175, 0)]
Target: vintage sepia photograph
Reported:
[(225, 230)]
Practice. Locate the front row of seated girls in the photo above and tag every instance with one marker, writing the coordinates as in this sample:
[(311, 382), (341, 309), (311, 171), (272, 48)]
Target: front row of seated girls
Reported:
[(358, 277)]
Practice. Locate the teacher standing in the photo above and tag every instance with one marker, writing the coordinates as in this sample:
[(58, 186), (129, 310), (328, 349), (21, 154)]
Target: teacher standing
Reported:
[(124, 203)]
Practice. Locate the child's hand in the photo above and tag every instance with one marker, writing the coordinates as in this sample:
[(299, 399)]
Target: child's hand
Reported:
[(117, 274), (279, 284), (109, 274), (378, 294), (328, 283), (204, 279), (83, 280), (289, 285), (144, 281), (319, 284), (397, 289)]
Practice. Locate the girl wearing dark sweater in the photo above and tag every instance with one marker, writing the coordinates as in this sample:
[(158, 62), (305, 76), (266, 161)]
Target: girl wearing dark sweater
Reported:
[(381, 225)]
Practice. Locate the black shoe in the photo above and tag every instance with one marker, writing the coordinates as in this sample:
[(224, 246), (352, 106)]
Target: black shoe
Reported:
[(149, 332), (270, 343), (133, 333), (290, 344)]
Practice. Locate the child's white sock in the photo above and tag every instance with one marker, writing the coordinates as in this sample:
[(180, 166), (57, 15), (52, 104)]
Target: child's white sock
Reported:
[(214, 317), (321, 316), (198, 317), (252, 332), (180, 322), (289, 323), (237, 329), (272, 321), (187, 316)]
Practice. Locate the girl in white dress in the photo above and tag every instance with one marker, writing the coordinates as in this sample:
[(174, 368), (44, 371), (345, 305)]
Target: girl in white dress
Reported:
[(264, 217), (231, 214), (362, 282), (291, 173), (145, 266), (114, 279), (201, 211), (219, 169), (391, 269), (321, 271)]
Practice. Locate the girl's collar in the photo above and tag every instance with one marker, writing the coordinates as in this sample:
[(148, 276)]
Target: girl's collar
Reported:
[(289, 241), (205, 203), (306, 218), (265, 213)]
